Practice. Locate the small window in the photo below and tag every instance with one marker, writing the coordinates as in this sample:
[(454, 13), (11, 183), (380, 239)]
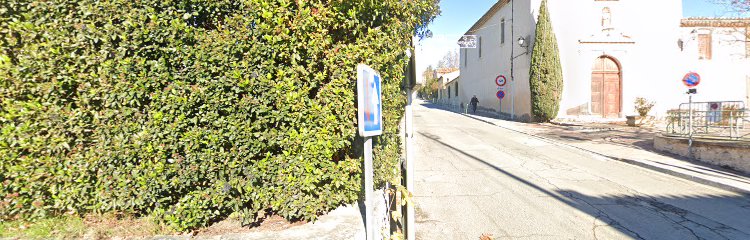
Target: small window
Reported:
[(479, 43), (502, 31), (449, 91), (457, 89), (704, 46), (466, 56)]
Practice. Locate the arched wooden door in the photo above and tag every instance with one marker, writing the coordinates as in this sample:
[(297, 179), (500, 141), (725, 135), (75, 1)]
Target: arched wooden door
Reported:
[(606, 88)]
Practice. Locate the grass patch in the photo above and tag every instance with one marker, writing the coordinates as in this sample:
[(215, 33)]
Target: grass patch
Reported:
[(91, 226), (59, 228)]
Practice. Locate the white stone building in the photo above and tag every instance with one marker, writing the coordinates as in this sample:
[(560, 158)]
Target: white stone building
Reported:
[(611, 52), (448, 90)]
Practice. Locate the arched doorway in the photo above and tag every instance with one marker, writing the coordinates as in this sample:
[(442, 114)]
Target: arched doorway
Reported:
[(606, 90)]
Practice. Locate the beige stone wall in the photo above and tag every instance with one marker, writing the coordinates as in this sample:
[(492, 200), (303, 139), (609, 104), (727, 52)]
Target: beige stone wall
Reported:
[(732, 154)]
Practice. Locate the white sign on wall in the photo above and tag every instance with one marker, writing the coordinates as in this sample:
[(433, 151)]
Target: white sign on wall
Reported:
[(468, 41)]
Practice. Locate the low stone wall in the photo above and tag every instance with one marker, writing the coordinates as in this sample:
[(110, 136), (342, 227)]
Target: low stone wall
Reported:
[(732, 154)]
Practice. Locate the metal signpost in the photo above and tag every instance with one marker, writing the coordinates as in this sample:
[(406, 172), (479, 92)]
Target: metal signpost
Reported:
[(370, 122), (691, 80), (500, 81)]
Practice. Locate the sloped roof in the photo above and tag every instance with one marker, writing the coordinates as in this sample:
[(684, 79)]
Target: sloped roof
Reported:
[(449, 76), (446, 70), (486, 17), (455, 79)]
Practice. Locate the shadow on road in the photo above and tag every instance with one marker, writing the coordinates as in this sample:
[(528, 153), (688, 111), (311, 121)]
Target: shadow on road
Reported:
[(649, 217), (642, 140)]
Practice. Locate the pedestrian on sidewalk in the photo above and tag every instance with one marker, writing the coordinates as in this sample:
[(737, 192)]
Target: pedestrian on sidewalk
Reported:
[(474, 102)]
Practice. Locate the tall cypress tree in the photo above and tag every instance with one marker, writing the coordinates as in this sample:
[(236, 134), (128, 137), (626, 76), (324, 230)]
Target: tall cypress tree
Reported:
[(545, 78)]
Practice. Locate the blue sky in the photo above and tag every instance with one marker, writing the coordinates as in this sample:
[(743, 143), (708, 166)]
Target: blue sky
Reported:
[(458, 16)]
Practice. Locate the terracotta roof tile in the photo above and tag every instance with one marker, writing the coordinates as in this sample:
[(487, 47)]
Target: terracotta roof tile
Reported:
[(714, 22)]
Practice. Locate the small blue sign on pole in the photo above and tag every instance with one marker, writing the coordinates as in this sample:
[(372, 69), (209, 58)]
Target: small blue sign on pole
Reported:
[(369, 102)]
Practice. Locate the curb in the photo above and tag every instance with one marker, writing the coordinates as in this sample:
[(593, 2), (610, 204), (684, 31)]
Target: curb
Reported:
[(625, 160)]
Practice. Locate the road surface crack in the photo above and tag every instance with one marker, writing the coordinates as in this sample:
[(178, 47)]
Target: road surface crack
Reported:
[(664, 208)]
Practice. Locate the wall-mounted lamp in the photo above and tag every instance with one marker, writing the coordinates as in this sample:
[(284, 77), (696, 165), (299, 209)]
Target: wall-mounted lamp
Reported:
[(523, 43)]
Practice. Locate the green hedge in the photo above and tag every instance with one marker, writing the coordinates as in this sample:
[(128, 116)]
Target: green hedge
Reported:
[(191, 110)]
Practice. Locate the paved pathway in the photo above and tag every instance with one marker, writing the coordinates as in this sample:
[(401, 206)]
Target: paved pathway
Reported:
[(473, 178)]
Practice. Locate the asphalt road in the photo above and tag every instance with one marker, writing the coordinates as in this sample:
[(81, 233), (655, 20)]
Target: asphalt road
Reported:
[(473, 178)]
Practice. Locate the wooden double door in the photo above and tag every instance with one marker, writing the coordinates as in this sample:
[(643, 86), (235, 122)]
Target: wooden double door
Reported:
[(606, 88)]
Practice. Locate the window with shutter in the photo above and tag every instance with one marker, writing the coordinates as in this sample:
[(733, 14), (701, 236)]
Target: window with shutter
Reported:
[(479, 41), (502, 31), (704, 46)]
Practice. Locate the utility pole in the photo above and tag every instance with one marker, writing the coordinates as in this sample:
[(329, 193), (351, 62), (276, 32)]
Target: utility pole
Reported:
[(512, 60)]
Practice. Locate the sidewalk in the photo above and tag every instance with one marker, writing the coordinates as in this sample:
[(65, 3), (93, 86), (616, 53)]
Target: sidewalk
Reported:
[(627, 144)]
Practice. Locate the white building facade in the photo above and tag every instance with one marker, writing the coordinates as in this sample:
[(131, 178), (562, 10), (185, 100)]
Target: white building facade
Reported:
[(611, 52), (448, 88)]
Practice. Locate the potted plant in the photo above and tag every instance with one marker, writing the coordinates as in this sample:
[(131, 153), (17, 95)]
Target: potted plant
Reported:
[(642, 106)]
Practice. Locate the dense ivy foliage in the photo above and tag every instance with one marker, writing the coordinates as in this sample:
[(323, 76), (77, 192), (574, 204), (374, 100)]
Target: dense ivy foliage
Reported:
[(545, 77), (194, 109)]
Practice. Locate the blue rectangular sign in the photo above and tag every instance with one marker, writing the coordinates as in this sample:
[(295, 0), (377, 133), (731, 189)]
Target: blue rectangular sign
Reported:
[(369, 104)]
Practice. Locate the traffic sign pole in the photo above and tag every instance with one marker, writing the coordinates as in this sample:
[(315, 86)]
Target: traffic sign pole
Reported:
[(368, 189), (410, 158), (690, 123), (691, 80), (370, 121)]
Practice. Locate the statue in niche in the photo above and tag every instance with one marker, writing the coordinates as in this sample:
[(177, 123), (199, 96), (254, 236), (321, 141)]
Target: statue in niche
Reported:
[(606, 19)]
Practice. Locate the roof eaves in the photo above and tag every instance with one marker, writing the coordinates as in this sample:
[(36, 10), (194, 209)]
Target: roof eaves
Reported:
[(714, 22), (486, 17)]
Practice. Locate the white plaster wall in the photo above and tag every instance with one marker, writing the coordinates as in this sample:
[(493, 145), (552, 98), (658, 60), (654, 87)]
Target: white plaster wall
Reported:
[(724, 76), (652, 66), (478, 74)]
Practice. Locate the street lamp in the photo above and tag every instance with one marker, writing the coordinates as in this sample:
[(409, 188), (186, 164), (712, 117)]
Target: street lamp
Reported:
[(523, 43)]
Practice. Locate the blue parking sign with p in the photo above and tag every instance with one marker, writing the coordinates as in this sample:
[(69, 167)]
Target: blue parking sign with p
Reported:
[(369, 104)]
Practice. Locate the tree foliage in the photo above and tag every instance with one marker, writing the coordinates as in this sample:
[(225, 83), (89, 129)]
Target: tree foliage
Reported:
[(545, 77), (739, 7), (431, 84), (190, 110), (449, 60)]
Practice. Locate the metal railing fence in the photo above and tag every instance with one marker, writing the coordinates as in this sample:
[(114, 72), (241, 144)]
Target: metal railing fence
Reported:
[(726, 120)]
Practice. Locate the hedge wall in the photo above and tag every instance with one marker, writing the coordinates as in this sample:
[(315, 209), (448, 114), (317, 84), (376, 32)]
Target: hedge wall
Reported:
[(194, 109)]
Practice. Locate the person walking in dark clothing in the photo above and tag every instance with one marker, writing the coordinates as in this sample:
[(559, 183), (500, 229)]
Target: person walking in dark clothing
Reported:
[(474, 102)]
